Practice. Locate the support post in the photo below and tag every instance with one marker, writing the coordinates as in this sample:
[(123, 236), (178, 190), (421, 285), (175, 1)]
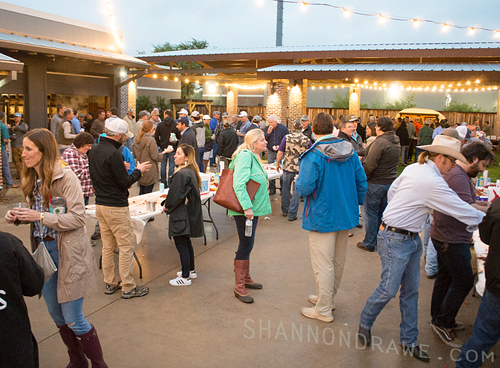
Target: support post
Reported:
[(355, 100)]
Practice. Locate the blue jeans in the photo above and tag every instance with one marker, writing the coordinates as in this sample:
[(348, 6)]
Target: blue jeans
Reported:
[(69, 313), (201, 151), (289, 207), (245, 245), (400, 256), (212, 160), (375, 204), (431, 263), (404, 154), (145, 189), (164, 178), (6, 169), (454, 280), (485, 333)]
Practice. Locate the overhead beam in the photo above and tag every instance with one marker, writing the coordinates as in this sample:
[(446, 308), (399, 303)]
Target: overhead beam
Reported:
[(131, 79), (12, 76), (204, 71)]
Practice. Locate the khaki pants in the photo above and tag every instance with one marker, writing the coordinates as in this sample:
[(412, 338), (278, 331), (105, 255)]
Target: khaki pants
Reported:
[(117, 230), (328, 254), (17, 159)]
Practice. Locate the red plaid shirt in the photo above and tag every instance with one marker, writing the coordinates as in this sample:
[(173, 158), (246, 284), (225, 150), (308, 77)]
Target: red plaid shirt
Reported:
[(80, 165)]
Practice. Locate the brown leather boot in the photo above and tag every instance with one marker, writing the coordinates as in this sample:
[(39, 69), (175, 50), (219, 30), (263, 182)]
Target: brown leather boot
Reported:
[(92, 348), (75, 351), (249, 283), (240, 291)]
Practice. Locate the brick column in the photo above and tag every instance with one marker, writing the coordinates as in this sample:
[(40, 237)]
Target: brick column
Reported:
[(131, 89), (496, 128), (276, 104), (355, 100), (232, 102), (297, 96)]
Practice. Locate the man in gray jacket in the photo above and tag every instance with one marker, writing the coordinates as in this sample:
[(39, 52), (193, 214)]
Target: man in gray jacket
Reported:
[(381, 169)]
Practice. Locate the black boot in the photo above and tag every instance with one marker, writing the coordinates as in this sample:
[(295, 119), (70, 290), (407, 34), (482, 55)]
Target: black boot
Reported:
[(75, 351), (92, 348)]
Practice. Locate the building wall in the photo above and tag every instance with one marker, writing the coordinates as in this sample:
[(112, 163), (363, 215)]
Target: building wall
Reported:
[(158, 87)]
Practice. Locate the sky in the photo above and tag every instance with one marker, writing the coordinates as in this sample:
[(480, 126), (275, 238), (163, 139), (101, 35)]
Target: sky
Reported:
[(252, 23)]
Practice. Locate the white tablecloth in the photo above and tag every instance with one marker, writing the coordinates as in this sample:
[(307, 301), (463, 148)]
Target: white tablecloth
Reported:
[(481, 251)]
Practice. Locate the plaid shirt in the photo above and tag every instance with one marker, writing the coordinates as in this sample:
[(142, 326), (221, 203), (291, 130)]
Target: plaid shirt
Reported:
[(38, 206), (80, 165)]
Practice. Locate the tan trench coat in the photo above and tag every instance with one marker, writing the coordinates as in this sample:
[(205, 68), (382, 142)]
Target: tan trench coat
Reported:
[(77, 264), (149, 153)]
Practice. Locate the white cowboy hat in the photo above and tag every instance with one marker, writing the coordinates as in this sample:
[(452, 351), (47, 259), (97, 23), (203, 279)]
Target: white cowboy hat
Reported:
[(446, 146)]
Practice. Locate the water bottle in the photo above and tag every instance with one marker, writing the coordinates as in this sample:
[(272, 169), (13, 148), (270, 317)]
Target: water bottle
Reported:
[(248, 228)]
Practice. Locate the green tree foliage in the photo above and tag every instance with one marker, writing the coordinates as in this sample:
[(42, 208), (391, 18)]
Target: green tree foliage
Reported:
[(340, 102), (143, 103), (188, 90), (162, 105), (406, 103), (377, 105), (461, 107)]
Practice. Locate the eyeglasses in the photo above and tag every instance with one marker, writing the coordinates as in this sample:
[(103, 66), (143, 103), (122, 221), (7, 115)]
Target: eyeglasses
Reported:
[(452, 159)]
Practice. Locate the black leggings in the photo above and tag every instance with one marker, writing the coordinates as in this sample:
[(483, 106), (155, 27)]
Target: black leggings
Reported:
[(185, 249), (246, 243)]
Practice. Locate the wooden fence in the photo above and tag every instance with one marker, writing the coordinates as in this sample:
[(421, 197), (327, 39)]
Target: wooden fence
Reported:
[(454, 118)]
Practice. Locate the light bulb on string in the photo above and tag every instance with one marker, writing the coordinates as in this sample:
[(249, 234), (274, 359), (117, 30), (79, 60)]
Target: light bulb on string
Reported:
[(416, 23), (472, 30)]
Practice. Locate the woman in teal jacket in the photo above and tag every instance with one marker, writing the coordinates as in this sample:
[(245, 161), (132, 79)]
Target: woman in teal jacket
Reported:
[(246, 165)]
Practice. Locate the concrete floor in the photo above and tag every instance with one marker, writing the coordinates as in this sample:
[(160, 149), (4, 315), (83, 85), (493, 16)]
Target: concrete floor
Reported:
[(204, 325)]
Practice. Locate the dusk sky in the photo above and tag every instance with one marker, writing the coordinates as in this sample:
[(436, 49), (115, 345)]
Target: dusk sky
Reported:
[(252, 23)]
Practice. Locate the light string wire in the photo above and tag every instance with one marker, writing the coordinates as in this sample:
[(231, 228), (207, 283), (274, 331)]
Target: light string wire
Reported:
[(391, 17)]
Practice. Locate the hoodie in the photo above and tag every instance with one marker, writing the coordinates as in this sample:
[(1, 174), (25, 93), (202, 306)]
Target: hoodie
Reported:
[(163, 132), (382, 158), (333, 183)]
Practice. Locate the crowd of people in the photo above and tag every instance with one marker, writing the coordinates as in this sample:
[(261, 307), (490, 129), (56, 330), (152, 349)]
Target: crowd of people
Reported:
[(341, 169)]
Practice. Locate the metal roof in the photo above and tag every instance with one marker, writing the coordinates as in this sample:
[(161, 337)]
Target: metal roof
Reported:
[(8, 63), (383, 67), (339, 47), (25, 43)]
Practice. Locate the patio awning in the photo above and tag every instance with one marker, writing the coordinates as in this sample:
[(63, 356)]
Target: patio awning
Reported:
[(8, 64)]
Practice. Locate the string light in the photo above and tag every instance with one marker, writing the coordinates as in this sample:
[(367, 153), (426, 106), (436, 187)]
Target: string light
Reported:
[(382, 18), (397, 85), (112, 24)]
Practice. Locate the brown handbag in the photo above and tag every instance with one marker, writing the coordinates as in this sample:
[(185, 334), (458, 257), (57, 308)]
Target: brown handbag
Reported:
[(225, 195)]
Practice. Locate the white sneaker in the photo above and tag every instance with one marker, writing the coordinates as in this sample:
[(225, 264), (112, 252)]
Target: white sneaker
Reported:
[(192, 274), (314, 299), (180, 281)]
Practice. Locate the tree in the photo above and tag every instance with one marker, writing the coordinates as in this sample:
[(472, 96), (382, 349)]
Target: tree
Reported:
[(407, 103), (188, 90), (461, 107), (340, 102), (377, 105), (162, 105), (143, 103)]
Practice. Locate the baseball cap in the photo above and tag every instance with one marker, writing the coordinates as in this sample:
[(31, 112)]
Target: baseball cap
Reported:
[(195, 114), (183, 111), (216, 112), (119, 126), (183, 120), (225, 114), (256, 118), (18, 115), (131, 110), (242, 113), (78, 115), (451, 132), (304, 118), (206, 117), (351, 117), (155, 112)]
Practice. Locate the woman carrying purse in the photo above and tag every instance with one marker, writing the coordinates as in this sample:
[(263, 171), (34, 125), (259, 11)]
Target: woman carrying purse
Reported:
[(64, 234), (183, 205), (246, 165)]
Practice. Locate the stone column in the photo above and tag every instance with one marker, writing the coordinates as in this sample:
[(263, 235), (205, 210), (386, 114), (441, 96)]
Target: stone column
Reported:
[(355, 100), (232, 101), (35, 101), (277, 102), (297, 97), (131, 89)]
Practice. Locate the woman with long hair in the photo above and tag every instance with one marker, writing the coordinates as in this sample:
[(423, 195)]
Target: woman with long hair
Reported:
[(44, 178), (246, 165), (371, 133), (145, 149), (183, 205)]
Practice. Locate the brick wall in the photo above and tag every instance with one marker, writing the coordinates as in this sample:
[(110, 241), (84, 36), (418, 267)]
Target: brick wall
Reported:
[(132, 96), (297, 96), (276, 104), (232, 102)]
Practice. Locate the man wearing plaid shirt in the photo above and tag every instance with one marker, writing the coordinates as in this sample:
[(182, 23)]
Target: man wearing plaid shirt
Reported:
[(76, 157)]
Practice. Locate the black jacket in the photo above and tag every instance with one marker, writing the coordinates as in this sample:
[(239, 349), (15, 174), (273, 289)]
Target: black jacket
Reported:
[(382, 159), (489, 230), (360, 151), (109, 175), (308, 133), (19, 275), (189, 137), (163, 131), (227, 143), (402, 133), (185, 218)]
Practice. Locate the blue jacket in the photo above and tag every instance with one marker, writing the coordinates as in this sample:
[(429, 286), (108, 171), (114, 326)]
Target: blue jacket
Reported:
[(127, 156), (333, 183)]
